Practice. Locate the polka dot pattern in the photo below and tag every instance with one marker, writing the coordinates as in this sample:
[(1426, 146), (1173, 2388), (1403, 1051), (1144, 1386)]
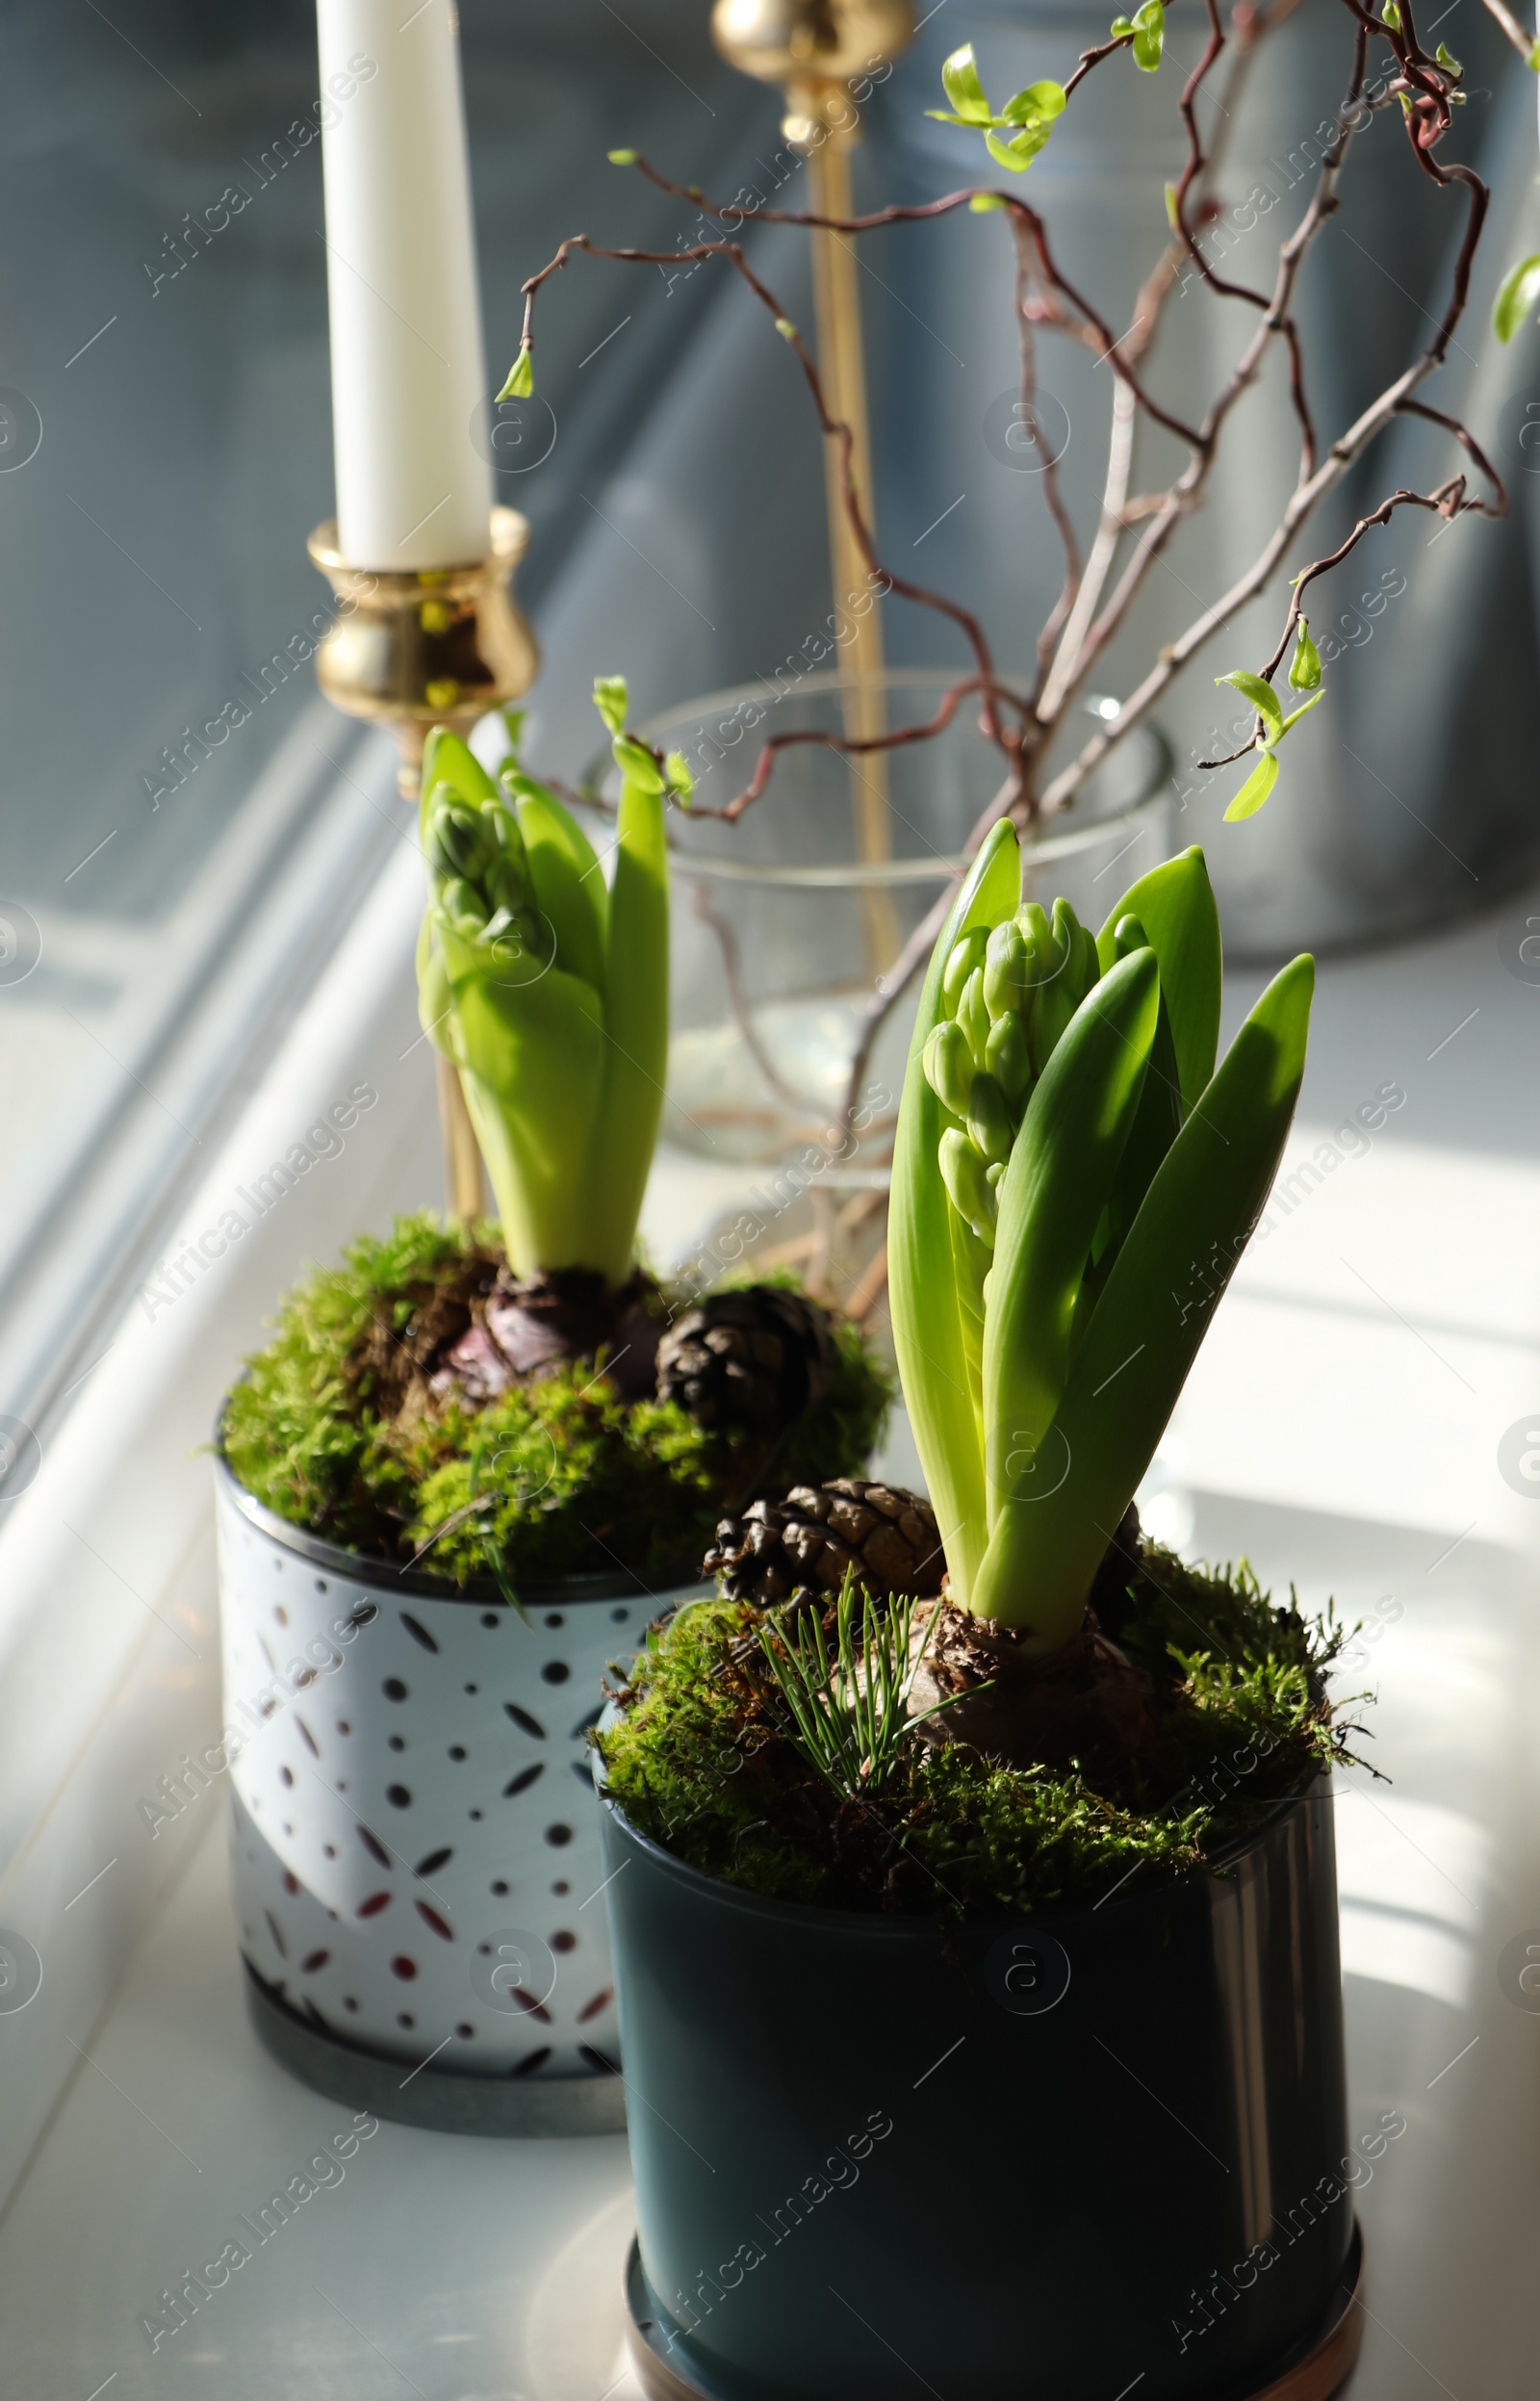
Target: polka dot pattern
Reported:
[(420, 1804)]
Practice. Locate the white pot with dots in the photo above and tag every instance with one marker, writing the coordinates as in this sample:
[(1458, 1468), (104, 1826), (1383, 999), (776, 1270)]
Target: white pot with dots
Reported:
[(415, 1849)]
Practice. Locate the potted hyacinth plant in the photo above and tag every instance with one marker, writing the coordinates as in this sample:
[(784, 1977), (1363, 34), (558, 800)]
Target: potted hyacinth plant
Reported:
[(969, 1859), (977, 1943), (470, 1466)]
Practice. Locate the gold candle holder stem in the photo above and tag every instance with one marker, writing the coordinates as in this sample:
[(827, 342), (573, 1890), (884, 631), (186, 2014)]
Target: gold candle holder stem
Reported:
[(842, 369), (816, 50), (411, 650)]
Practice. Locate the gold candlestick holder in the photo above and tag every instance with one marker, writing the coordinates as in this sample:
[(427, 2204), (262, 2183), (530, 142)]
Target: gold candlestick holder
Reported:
[(816, 50), (413, 650)]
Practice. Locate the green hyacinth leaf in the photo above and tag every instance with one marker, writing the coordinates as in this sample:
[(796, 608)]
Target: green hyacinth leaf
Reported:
[(1157, 1305), (1175, 908), (570, 890), (1062, 1171), (935, 1268), (634, 1032)]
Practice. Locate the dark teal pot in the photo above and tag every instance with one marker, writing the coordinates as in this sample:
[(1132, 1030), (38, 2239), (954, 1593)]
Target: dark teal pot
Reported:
[(1088, 2153)]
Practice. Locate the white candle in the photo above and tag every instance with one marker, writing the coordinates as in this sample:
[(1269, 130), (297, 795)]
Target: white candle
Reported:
[(407, 370)]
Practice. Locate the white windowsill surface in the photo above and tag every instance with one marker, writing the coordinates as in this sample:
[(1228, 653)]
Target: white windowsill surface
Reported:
[(1343, 1427)]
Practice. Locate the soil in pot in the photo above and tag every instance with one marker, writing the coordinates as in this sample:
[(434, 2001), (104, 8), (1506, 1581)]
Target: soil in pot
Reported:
[(419, 1407)]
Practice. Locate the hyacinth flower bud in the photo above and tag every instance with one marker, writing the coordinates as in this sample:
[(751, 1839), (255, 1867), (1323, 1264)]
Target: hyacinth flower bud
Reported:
[(1007, 970), (1066, 942), (965, 956), (462, 841), (1128, 935), (1008, 1058), (990, 1126), (973, 1016), (1055, 1006), (548, 991), (1031, 922), (968, 1187), (949, 1069), (463, 904)]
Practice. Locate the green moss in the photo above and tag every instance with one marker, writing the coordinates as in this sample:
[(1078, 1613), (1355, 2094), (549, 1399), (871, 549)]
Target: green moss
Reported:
[(551, 1479), (300, 1430), (563, 1477), (699, 1760)]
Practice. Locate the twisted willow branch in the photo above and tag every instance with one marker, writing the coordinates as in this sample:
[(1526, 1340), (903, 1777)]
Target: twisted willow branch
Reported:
[(1087, 614)]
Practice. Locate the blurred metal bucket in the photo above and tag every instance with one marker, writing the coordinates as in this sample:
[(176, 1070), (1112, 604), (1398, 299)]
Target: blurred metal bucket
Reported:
[(1408, 795)]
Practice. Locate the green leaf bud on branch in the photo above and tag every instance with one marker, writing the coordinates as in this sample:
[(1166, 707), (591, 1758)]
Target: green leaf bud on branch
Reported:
[(521, 382), (1262, 696), (1305, 668), (1145, 34), (1256, 789), (1014, 135)]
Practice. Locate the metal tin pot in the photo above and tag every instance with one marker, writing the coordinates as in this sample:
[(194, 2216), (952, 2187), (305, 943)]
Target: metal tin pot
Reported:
[(415, 1838), (1098, 2151)]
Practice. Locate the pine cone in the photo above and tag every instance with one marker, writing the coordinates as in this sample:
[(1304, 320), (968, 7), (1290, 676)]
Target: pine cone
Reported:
[(780, 1550), (752, 1359)]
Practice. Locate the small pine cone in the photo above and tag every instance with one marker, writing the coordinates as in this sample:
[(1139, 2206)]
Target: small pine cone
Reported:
[(749, 1360), (801, 1546)]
